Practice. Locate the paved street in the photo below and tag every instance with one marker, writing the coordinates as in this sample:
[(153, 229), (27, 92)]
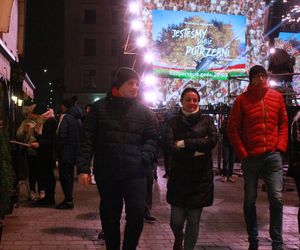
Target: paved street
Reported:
[(222, 225)]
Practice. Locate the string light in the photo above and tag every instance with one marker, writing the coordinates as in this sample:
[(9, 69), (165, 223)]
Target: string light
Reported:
[(293, 16)]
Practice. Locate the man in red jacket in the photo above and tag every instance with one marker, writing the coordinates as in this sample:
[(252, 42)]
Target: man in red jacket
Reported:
[(258, 131)]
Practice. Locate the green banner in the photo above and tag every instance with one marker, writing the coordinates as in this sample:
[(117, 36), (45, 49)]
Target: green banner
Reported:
[(198, 74)]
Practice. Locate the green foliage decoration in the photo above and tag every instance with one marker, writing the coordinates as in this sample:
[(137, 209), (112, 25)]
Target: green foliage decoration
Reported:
[(7, 176)]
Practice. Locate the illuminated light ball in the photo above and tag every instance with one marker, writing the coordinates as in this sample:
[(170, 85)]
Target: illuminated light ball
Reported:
[(150, 96), (150, 80), (149, 57), (273, 83), (272, 50), (141, 41), (134, 7), (136, 25)]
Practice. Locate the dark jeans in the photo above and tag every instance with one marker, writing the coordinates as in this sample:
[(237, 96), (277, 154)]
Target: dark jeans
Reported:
[(33, 176), (66, 177), (46, 176), (166, 161), (297, 181), (228, 160), (149, 191), (112, 194), (192, 218), (269, 166)]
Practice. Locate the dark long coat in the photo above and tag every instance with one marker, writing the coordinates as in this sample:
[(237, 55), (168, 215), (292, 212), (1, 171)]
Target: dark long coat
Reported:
[(190, 183)]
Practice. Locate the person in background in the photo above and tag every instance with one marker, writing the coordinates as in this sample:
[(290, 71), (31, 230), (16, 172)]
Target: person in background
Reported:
[(190, 138), (119, 132), (258, 131), (228, 154), (67, 149), (150, 176), (25, 133), (294, 164), (44, 133)]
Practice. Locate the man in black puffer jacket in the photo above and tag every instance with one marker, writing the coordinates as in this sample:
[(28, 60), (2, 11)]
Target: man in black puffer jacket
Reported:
[(120, 133), (67, 148)]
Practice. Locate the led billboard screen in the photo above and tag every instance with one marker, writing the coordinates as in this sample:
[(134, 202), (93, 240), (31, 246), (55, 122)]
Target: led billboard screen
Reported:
[(198, 45)]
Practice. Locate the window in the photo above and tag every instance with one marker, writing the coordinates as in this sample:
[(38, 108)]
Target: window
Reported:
[(89, 47), (89, 79), (90, 16)]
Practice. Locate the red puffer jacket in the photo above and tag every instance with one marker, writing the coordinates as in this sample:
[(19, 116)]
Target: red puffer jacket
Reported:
[(258, 122)]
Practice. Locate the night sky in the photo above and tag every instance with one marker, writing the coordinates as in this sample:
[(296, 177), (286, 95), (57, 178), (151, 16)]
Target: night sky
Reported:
[(44, 43)]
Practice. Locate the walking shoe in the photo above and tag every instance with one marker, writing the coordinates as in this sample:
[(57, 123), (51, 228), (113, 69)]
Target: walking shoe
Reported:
[(231, 179), (44, 202), (224, 179), (93, 181), (101, 235), (149, 218), (65, 205), (42, 194), (33, 196)]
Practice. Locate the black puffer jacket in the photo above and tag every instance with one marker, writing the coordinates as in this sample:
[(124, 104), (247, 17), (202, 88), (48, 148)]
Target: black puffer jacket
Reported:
[(68, 137), (121, 134), (190, 183)]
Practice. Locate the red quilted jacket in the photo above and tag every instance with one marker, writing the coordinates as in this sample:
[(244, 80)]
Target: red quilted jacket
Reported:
[(258, 122)]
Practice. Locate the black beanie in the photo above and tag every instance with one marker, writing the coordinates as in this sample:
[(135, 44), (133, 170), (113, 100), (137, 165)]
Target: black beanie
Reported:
[(256, 69), (40, 109), (123, 75), (68, 103)]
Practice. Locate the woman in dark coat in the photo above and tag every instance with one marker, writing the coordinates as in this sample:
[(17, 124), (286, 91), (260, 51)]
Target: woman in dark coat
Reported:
[(294, 166), (190, 138)]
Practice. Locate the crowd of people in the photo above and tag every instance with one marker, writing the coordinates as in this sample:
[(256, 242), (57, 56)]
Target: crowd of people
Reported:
[(118, 142)]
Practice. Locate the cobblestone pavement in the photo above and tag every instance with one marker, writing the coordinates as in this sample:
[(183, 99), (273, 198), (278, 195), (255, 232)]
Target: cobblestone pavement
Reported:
[(222, 225)]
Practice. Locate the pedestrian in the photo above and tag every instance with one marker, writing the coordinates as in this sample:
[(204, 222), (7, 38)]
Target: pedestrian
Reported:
[(151, 174), (25, 133), (294, 164), (67, 149), (190, 137), (119, 132), (258, 131), (228, 153), (44, 133)]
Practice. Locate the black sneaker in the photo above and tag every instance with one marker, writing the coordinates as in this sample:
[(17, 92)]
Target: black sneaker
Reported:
[(44, 202), (101, 235), (65, 205)]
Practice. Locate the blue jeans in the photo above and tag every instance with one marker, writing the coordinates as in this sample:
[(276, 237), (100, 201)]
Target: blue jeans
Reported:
[(192, 218), (228, 160), (269, 167)]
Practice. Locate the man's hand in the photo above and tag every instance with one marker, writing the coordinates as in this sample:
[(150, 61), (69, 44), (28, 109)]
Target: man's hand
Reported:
[(84, 179)]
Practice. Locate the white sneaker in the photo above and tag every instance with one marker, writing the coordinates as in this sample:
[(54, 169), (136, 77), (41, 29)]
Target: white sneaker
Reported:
[(33, 196), (93, 181), (224, 179), (41, 194)]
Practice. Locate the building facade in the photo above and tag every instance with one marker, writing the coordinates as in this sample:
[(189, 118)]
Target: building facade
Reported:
[(94, 36)]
